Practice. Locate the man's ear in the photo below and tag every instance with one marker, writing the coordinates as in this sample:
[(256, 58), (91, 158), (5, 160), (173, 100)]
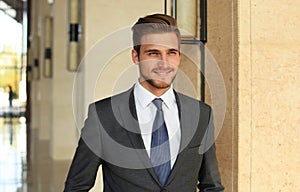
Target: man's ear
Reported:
[(135, 56)]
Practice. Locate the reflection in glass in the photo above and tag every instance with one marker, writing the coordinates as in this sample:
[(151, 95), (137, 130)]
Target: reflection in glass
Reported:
[(13, 154)]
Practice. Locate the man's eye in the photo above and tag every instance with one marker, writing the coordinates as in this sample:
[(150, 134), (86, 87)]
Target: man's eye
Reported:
[(173, 53), (153, 53)]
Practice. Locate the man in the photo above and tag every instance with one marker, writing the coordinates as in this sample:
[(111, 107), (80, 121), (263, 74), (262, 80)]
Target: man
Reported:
[(149, 138), (10, 95)]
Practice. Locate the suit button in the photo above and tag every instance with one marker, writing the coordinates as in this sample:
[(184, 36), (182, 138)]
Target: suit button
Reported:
[(164, 190)]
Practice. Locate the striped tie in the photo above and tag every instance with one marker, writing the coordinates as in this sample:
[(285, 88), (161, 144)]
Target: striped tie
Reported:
[(160, 147)]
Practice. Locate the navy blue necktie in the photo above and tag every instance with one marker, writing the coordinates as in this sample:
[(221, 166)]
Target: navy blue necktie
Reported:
[(160, 147)]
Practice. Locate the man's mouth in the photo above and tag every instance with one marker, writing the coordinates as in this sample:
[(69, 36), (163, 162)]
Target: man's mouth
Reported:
[(163, 73)]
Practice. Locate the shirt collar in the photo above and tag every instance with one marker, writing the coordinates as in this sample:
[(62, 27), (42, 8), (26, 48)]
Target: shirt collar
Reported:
[(145, 97)]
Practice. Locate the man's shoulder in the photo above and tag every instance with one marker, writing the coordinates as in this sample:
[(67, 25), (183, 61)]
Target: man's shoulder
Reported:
[(192, 101), (115, 99)]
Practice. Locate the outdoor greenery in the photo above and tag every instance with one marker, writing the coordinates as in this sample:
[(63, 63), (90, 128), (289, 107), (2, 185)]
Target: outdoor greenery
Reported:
[(10, 69)]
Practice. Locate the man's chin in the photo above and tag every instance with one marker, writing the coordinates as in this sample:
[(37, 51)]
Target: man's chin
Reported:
[(159, 84)]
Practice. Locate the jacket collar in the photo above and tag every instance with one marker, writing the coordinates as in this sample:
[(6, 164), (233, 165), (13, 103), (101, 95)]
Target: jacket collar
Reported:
[(188, 113)]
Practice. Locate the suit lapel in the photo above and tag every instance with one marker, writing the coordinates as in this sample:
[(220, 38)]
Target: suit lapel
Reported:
[(188, 116), (129, 117)]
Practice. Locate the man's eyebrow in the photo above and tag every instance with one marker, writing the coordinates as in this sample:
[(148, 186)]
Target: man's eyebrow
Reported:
[(173, 49), (156, 50), (151, 50)]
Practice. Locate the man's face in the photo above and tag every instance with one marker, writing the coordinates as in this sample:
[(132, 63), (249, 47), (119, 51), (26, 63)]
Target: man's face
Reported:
[(158, 60)]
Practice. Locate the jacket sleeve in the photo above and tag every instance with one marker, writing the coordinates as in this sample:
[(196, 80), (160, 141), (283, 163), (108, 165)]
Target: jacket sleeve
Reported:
[(209, 176), (83, 171)]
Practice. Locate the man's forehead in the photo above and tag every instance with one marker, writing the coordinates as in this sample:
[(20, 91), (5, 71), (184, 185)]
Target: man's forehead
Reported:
[(168, 39)]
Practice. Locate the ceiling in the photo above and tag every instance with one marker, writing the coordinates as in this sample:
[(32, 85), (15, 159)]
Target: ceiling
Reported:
[(14, 8)]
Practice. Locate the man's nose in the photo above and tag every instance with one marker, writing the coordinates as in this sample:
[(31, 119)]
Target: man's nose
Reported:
[(163, 59)]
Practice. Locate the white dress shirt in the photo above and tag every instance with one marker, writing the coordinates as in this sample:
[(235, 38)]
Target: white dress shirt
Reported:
[(146, 112)]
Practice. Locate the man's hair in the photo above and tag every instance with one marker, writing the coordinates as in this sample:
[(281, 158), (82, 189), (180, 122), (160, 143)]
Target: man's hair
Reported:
[(156, 23)]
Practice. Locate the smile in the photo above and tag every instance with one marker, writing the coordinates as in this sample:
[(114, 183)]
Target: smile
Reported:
[(163, 73)]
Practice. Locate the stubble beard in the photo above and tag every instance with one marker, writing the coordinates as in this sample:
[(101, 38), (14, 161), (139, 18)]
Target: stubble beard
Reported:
[(159, 84)]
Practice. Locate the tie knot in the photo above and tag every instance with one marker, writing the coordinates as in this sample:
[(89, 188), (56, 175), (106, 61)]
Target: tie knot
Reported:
[(158, 103)]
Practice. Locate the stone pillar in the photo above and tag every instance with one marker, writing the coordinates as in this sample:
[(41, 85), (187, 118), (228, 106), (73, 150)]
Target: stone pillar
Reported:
[(35, 93), (244, 106), (255, 44), (64, 133), (45, 84), (222, 44), (269, 98)]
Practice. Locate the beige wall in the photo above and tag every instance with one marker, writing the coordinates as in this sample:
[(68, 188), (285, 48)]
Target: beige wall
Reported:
[(98, 25), (45, 84), (34, 83), (102, 19), (52, 117), (269, 81), (222, 43), (63, 132), (256, 45)]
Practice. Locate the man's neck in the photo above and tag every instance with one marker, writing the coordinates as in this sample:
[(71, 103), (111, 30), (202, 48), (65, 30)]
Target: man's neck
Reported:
[(154, 90)]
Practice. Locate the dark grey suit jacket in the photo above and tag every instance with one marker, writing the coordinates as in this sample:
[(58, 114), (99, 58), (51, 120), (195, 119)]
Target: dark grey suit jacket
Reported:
[(111, 138)]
